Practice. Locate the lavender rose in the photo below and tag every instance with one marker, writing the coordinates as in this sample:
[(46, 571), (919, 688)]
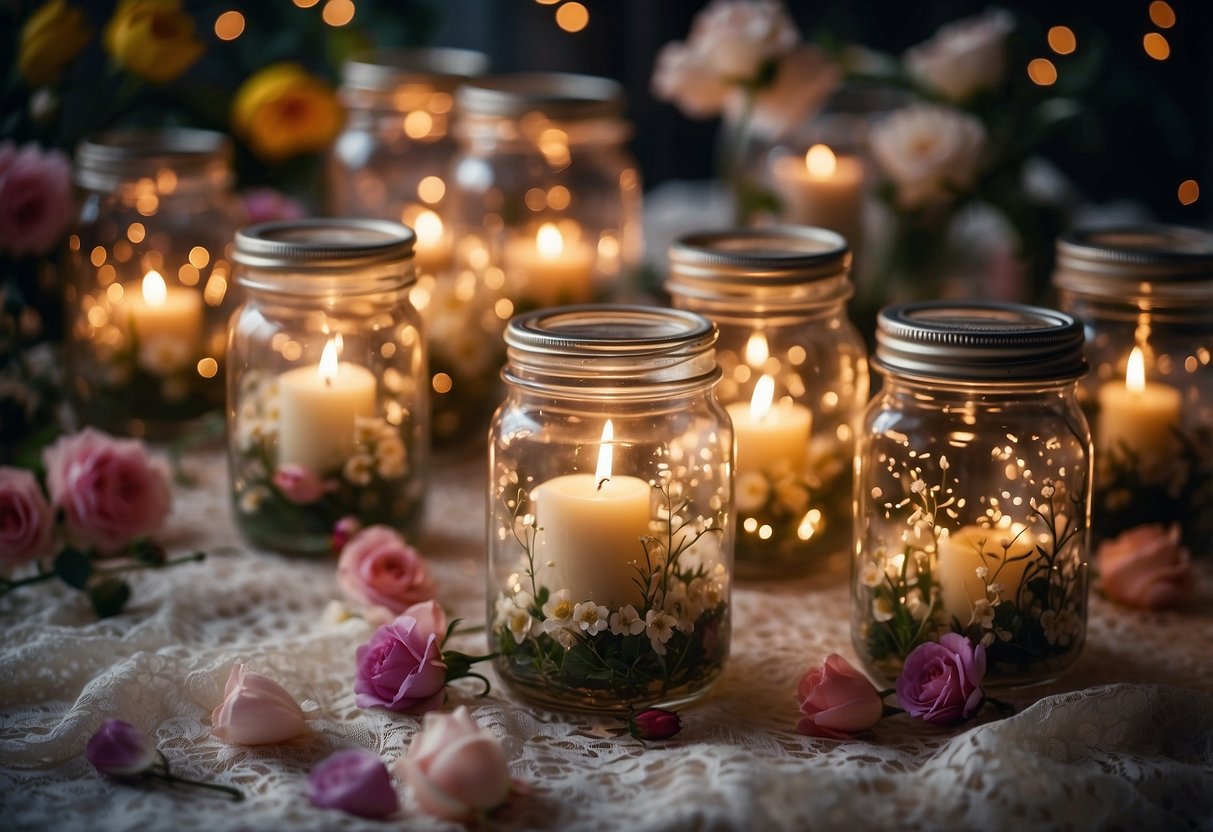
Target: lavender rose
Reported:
[(941, 681), (377, 568), (1146, 567), (108, 488), (354, 781), (401, 667), (119, 749), (27, 524), (36, 201)]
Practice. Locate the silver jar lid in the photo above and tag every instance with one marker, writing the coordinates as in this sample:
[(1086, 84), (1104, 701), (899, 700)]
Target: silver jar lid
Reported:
[(383, 70), (321, 246), (558, 96), (1160, 262), (978, 342), (104, 160), (757, 270)]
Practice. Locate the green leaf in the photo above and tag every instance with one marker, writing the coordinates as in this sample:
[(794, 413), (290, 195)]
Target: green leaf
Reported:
[(73, 567), (109, 596), (579, 663)]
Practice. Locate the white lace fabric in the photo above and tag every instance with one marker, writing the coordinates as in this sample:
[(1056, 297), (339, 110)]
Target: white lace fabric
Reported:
[(1124, 739)]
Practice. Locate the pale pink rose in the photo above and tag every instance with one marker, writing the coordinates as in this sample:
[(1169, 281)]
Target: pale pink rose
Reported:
[(837, 701), (737, 37), (269, 205), (36, 201), (929, 152), (256, 710), (377, 568), (1147, 567), (27, 523), (109, 489), (299, 485), (965, 57), (804, 79), (456, 769), (682, 78)]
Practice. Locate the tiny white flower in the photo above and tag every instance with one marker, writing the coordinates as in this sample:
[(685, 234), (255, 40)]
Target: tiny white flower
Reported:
[(995, 588), (918, 486), (659, 627), (359, 469), (334, 613), (982, 572), (751, 492), (870, 575), (590, 617), (987, 639), (626, 621), (518, 622), (916, 605), (166, 354), (983, 613), (793, 497), (944, 464), (252, 498), (559, 607), (882, 608), (366, 429)]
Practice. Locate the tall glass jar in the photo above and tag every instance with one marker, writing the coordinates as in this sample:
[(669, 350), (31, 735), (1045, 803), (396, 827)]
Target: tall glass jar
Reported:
[(151, 289), (795, 383), (973, 490), (610, 543), (1145, 295), (328, 412)]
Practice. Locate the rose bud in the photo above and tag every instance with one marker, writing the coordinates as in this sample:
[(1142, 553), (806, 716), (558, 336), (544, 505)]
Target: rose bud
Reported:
[(343, 530), (1146, 567), (941, 682), (119, 749), (256, 710), (456, 769), (354, 781), (298, 484), (837, 701), (654, 724)]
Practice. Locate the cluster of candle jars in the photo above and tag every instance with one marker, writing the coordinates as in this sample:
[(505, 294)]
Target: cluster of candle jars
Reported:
[(151, 287), (609, 522), (795, 381), (393, 161), (972, 490), (328, 406), (1145, 296)]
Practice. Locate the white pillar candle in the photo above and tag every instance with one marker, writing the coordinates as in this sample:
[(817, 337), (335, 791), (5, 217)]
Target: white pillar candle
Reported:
[(551, 269), (317, 409), (1138, 416), (433, 250), (821, 189), (590, 530), (769, 438), (1005, 551), (165, 322)]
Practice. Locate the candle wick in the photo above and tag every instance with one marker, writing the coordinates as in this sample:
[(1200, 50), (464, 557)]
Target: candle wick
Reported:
[(602, 481), (328, 382)]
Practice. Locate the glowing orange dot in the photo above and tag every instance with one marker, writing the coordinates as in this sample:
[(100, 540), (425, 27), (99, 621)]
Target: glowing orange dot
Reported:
[(1162, 15), (547, 2), (338, 12), (229, 25), (1042, 72), (1189, 192), (1156, 46), (1062, 40), (572, 17), (306, 4), (442, 383)]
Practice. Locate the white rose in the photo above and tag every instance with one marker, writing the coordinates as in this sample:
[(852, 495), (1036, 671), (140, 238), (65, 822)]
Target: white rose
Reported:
[(736, 37), (963, 58), (687, 82), (928, 152), (804, 79)]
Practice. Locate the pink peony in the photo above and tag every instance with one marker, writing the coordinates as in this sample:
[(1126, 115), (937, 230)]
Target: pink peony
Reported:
[(354, 781), (456, 769), (27, 523), (401, 667), (299, 485), (269, 205), (378, 569), (941, 681), (36, 202), (837, 701), (1147, 567), (108, 488), (256, 710)]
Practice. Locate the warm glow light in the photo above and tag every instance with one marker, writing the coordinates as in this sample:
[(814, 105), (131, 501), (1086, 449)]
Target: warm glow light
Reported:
[(328, 359), (1156, 46), (760, 402), (431, 189), (428, 226), (338, 12), (1189, 191), (1042, 72), (1162, 15), (1061, 40), (756, 350), (572, 17), (155, 292), (305, 4), (820, 161), (605, 453), (549, 241), (1135, 372), (229, 25), (418, 124)]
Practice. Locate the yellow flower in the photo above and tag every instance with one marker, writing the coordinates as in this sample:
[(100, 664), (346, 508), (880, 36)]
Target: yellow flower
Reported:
[(283, 111), (153, 39), (51, 39)]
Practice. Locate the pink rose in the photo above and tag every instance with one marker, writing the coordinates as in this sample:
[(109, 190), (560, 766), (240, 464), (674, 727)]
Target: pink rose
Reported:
[(456, 769), (298, 484), (378, 569), (354, 781), (268, 205), (108, 488), (256, 710), (401, 667), (1147, 567), (27, 524), (941, 681), (654, 724), (837, 701), (36, 201)]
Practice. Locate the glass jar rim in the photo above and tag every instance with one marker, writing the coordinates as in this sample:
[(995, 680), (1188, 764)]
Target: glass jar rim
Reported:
[(557, 95), (1161, 263), (384, 70), (107, 158), (321, 247)]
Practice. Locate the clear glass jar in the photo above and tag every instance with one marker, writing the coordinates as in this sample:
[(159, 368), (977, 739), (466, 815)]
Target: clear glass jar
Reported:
[(1145, 296), (795, 383), (973, 490), (610, 544), (151, 289), (328, 408)]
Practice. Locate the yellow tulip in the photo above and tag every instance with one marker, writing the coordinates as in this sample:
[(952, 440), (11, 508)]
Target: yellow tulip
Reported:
[(153, 39), (282, 111), (50, 40)]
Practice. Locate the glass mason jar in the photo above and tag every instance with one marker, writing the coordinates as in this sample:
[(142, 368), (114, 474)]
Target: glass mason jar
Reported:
[(1145, 296), (328, 412), (973, 490), (151, 291), (610, 548), (795, 382)]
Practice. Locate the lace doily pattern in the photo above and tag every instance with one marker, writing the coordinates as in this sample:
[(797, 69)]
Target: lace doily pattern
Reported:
[(1124, 739)]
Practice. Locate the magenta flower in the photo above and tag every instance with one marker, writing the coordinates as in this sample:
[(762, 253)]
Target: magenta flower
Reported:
[(401, 667), (837, 701), (119, 749), (27, 524), (343, 530), (354, 781), (941, 681), (298, 484), (268, 205), (654, 724), (377, 568), (36, 202)]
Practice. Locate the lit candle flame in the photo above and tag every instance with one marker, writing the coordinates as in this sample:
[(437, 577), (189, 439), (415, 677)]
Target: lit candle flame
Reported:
[(328, 359), (155, 292), (820, 161), (549, 241), (756, 350), (764, 395), (605, 454), (1135, 372), (428, 226)]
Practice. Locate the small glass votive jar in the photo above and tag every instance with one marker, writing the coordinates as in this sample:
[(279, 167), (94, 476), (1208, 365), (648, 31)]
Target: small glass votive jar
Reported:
[(151, 292), (327, 388), (610, 543), (795, 383), (973, 490), (1145, 296)]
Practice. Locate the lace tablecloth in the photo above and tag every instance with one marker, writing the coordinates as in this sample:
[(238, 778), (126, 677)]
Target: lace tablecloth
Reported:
[(1125, 740)]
